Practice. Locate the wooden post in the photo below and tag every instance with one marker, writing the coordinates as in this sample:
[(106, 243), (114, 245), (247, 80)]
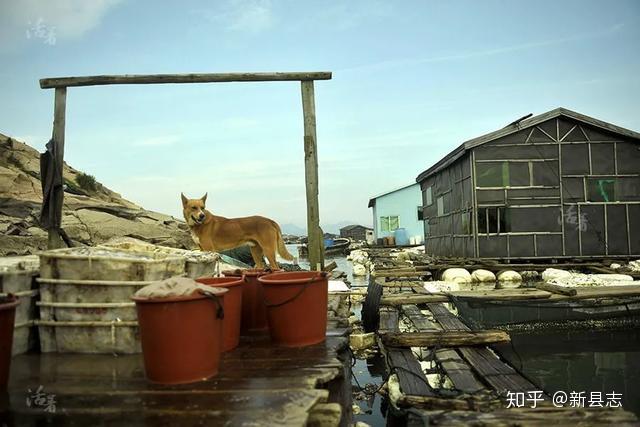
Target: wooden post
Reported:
[(314, 234), (55, 240)]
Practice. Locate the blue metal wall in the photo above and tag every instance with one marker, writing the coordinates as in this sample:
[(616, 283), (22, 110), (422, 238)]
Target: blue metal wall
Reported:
[(402, 203)]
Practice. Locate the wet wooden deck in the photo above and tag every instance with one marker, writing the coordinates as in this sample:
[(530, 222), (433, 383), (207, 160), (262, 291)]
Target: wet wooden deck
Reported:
[(258, 384), (480, 379)]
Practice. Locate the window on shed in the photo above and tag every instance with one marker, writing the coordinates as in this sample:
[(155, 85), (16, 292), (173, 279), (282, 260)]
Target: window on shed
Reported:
[(429, 195), (601, 190), (493, 220), (440, 203), (492, 174), (420, 214), (389, 223)]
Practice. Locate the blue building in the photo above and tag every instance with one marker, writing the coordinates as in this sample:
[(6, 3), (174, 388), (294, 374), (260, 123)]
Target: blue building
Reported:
[(399, 208)]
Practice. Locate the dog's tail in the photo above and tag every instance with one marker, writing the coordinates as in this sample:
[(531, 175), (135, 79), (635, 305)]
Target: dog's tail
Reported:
[(282, 249)]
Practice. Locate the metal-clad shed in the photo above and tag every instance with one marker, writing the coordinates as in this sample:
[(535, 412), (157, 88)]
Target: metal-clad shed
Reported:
[(560, 184)]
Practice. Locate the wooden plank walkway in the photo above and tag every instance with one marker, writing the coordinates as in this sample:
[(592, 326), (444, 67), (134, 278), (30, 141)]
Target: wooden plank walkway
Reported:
[(258, 384), (481, 379)]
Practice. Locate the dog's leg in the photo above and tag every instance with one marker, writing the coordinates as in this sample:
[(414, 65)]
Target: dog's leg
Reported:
[(257, 255), (270, 252)]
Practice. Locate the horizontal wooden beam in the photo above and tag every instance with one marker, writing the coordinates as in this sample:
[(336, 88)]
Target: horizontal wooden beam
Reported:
[(488, 295), (131, 79), (556, 289), (444, 338)]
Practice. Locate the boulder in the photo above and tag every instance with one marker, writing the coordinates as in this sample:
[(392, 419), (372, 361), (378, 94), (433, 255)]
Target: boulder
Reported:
[(458, 275), (481, 275), (509, 276), (89, 217), (359, 270), (362, 341), (530, 275), (554, 273), (438, 286), (613, 277)]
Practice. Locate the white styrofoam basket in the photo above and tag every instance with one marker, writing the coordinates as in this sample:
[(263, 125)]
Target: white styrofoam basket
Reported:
[(100, 263), (89, 337), (70, 311), (16, 277), (88, 291)]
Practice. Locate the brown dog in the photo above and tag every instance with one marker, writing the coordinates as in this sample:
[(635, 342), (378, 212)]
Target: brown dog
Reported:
[(217, 233)]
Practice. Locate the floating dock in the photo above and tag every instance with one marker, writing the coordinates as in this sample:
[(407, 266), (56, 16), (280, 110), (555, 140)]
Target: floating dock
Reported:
[(258, 384), (473, 381)]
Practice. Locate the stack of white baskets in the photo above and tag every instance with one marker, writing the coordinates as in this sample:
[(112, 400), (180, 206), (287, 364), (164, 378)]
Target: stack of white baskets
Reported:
[(17, 275), (85, 304)]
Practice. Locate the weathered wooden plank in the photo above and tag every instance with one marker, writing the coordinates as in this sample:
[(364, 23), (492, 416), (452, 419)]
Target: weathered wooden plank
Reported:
[(325, 415), (503, 294), (454, 366), (449, 404), (412, 298), (388, 320), (501, 376), (539, 416), (124, 79), (491, 295), (418, 319), (55, 240), (410, 376), (444, 338), (556, 289), (458, 371), (488, 366), (601, 292), (446, 318), (381, 274), (315, 242)]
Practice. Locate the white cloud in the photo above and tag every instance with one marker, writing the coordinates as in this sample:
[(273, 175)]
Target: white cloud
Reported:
[(407, 62), (44, 21), (154, 141), (245, 16)]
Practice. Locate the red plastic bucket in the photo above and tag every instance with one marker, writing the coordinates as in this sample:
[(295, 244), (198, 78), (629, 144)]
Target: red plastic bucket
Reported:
[(296, 306), (7, 318), (181, 337), (232, 308), (254, 311)]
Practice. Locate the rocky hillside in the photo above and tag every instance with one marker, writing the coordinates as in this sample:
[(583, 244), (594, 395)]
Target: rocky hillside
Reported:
[(92, 213)]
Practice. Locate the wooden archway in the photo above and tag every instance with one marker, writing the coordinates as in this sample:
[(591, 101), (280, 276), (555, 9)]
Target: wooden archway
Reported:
[(306, 79)]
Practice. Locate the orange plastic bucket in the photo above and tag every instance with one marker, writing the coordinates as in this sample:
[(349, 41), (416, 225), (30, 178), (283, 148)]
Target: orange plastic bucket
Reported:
[(296, 306), (7, 318), (254, 311), (181, 337), (232, 308)]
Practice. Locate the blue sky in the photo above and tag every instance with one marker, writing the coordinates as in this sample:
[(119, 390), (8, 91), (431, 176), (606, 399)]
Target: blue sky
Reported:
[(411, 80)]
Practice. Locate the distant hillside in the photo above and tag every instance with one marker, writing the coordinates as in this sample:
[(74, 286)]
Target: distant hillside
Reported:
[(92, 213), (295, 230)]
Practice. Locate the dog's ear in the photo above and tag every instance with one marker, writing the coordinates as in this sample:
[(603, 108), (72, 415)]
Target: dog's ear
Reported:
[(204, 198), (184, 200)]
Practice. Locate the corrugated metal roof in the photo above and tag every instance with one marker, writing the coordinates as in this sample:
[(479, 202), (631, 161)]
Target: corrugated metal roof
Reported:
[(508, 130)]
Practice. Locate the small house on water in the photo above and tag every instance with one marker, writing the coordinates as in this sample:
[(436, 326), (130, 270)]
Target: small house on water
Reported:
[(399, 208), (357, 233), (560, 184)]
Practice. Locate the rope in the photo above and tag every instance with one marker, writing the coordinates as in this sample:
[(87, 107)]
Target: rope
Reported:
[(216, 300), (287, 301)]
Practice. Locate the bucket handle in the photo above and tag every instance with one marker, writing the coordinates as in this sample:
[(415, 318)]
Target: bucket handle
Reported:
[(287, 301), (216, 300)]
